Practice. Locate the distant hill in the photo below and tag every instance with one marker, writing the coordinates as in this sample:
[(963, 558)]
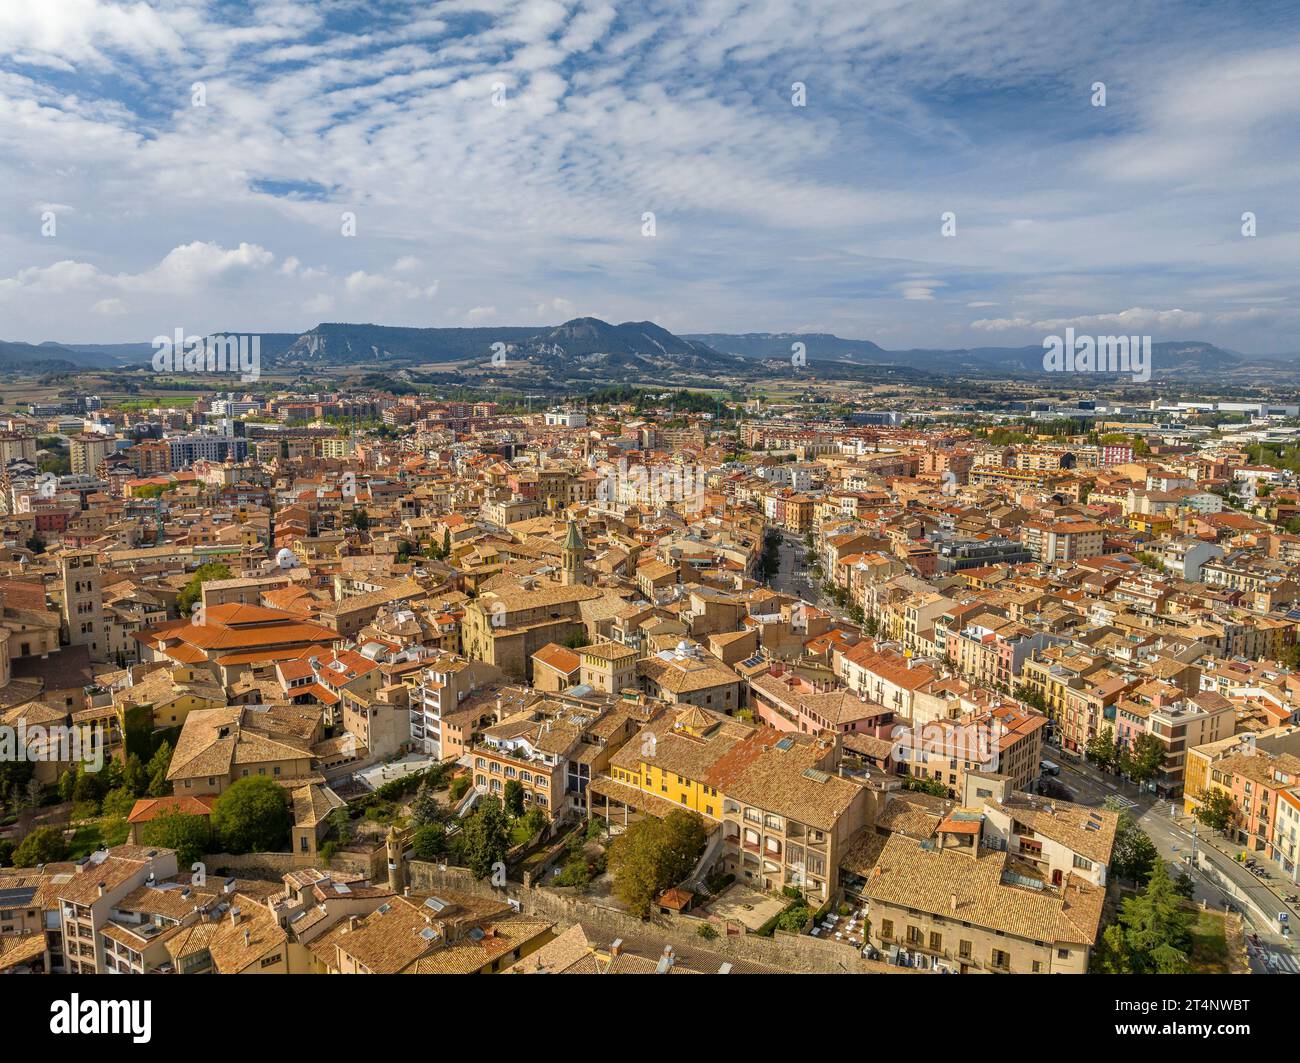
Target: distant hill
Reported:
[(1175, 357), (48, 358), (589, 349), (583, 345), (818, 345), (344, 344)]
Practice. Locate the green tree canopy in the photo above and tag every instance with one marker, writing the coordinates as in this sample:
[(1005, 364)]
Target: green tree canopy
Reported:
[(486, 837), (188, 835), (1146, 758), (654, 855), (1134, 854), (514, 798), (44, 845), (193, 590), (252, 816), (1216, 809)]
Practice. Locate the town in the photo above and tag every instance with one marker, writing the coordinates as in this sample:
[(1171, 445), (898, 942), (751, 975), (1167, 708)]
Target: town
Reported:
[(367, 681)]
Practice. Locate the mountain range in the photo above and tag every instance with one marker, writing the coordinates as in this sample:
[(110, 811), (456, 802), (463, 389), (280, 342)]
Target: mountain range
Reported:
[(589, 348)]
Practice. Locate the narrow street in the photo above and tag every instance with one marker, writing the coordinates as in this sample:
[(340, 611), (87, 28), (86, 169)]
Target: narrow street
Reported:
[(795, 576), (1171, 831)]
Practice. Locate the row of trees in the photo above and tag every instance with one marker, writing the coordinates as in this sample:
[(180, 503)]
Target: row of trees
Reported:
[(1141, 762), (251, 816)]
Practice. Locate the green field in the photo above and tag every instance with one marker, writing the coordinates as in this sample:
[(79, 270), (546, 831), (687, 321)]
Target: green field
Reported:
[(1209, 944)]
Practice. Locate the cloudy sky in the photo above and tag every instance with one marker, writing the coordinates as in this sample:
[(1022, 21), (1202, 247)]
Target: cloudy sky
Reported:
[(189, 164)]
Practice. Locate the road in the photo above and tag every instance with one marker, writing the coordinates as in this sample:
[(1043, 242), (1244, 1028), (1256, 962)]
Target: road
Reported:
[(1171, 832), (795, 577)]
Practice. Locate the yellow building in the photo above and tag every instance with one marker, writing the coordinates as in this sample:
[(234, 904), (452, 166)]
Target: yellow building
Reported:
[(672, 758), (1151, 523)]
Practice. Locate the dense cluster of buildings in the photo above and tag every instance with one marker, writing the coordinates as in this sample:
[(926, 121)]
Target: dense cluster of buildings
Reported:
[(843, 645)]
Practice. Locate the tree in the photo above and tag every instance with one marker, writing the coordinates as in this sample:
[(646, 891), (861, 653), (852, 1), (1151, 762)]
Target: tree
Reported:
[(188, 835), (119, 802), (134, 776), (193, 590), (1113, 954), (1157, 926), (429, 842), (1147, 758), (1101, 747), (66, 783), (1032, 697), (252, 816), (157, 769), (487, 837), (934, 787), (446, 542), (653, 855), (1134, 854), (44, 845), (1216, 810), (89, 786), (424, 807), (514, 798)]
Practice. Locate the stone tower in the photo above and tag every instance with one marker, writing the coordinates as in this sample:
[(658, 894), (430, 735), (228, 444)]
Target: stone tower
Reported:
[(83, 602), (396, 872), (574, 558)]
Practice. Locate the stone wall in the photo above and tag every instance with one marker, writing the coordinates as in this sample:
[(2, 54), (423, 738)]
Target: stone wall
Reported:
[(789, 952)]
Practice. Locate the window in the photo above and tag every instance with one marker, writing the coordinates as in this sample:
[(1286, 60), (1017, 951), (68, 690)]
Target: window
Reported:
[(1000, 959), (964, 950), (936, 942), (886, 929), (914, 935)]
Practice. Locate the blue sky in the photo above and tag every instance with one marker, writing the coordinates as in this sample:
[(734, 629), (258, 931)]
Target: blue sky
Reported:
[(768, 216)]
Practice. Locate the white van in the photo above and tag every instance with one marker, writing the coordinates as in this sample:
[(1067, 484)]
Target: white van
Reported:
[(1048, 768)]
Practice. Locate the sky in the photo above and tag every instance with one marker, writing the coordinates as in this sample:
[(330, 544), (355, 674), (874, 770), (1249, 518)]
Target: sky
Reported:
[(921, 174)]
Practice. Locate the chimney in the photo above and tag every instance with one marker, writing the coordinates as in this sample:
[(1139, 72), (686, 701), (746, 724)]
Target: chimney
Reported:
[(247, 935), (103, 888), (954, 903), (235, 915), (353, 922), (616, 949)]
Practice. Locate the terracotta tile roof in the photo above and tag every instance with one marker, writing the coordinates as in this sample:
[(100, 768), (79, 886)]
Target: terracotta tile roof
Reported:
[(921, 876)]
